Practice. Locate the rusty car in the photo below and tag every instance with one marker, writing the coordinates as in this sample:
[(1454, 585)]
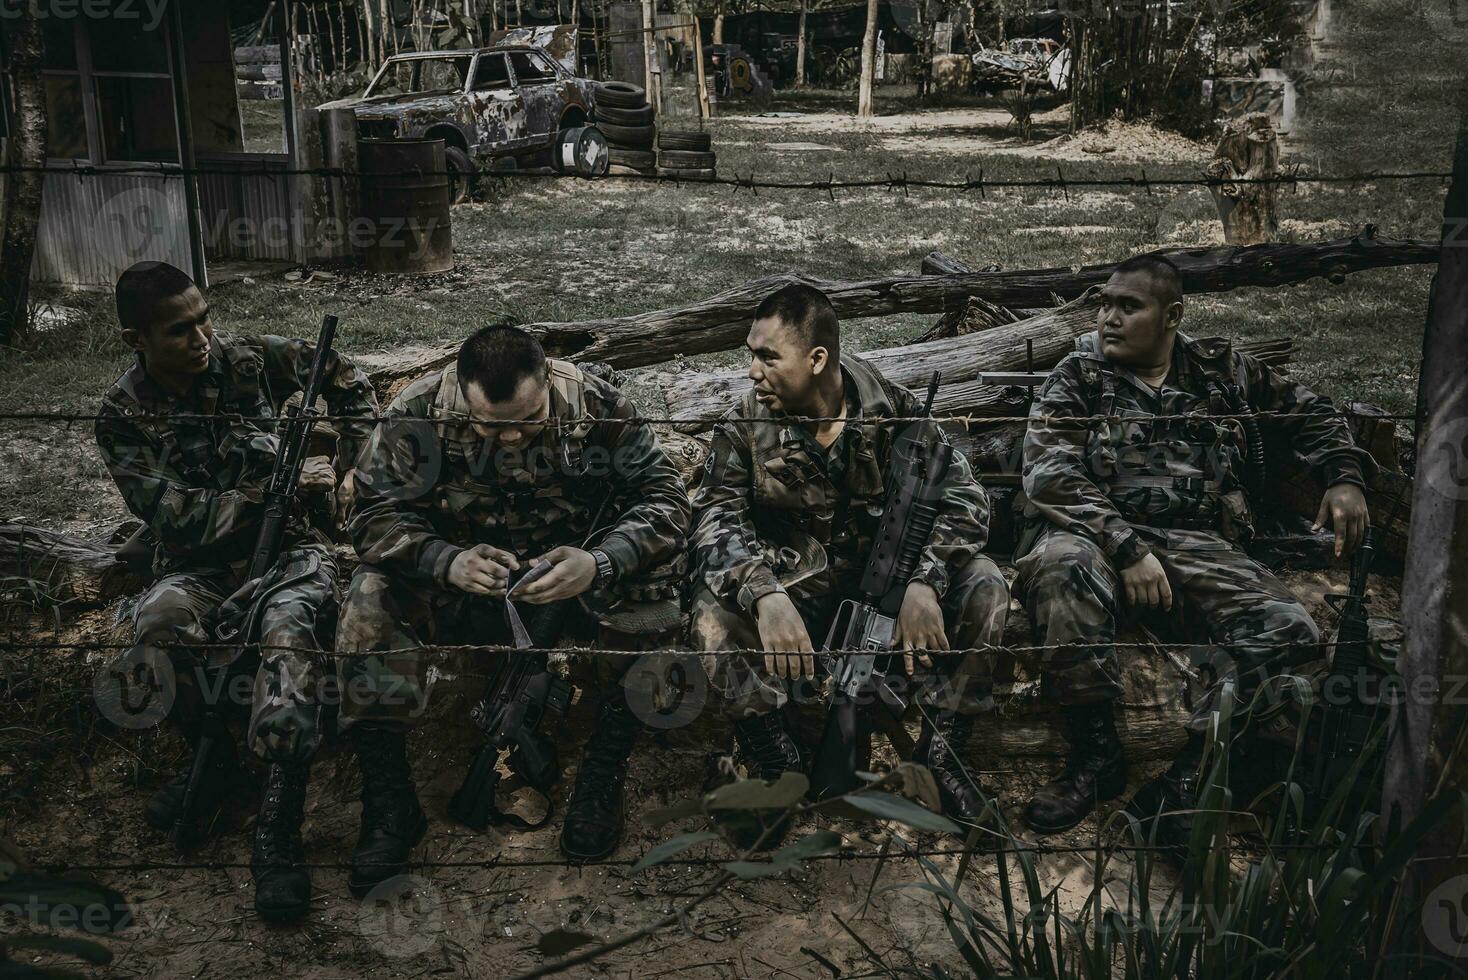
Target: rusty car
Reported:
[(493, 107)]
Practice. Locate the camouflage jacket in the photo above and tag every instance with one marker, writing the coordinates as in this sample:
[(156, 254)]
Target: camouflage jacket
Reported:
[(430, 487), (1181, 482), (198, 483), (773, 510)]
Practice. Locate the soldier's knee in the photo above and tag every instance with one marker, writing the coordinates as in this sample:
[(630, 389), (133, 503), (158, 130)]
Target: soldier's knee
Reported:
[(366, 614), (1294, 624)]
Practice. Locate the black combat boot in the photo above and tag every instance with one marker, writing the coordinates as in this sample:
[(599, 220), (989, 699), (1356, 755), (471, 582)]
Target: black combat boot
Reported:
[(595, 815), (282, 886), (392, 821), (1095, 770), (164, 807), (768, 751), (1169, 801), (959, 789)]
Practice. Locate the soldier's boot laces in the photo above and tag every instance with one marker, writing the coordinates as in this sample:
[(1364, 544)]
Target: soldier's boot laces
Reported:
[(282, 885), (1169, 800), (595, 815), (165, 806), (941, 748), (392, 821), (768, 751), (1095, 770)]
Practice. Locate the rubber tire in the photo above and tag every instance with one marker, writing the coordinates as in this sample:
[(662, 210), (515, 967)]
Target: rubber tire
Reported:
[(629, 137), (621, 171), (457, 162), (693, 142), (624, 117), (621, 95), (684, 160), (683, 174), (634, 159)]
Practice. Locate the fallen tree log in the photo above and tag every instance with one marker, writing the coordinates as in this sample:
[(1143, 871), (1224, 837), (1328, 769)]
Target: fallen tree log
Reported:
[(978, 314), (721, 322), (40, 566)]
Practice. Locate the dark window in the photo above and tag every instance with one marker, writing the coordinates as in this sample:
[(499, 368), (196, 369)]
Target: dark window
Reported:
[(530, 69), (128, 43), (59, 37), (490, 73), (66, 124), (136, 119)]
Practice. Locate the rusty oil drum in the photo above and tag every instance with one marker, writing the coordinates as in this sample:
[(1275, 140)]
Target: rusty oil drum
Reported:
[(405, 194)]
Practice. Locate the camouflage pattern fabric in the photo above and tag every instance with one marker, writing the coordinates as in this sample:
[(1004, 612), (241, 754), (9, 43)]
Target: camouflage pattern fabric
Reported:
[(776, 512), (975, 608), (430, 488), (198, 485), (290, 605), (1102, 495)]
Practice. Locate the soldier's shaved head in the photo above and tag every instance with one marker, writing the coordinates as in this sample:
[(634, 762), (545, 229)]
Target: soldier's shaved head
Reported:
[(498, 358), (808, 314), (1166, 279), (144, 288)]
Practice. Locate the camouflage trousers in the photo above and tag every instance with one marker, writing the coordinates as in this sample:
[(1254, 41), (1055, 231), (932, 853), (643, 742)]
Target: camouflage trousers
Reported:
[(287, 605), (383, 672), (1074, 597), (975, 608)]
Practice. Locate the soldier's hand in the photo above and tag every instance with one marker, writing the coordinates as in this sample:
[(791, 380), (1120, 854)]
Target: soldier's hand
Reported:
[(1344, 505), (784, 637), (919, 624), (482, 570), (572, 572), (317, 473), (1146, 584), (346, 494)]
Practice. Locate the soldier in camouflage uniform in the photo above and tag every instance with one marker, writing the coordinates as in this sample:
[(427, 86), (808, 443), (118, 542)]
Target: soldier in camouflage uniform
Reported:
[(197, 485), (500, 460), (1143, 510), (785, 517)]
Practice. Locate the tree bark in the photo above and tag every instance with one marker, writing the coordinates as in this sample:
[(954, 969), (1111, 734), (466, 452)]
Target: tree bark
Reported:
[(1249, 150), (721, 322), (64, 569), (868, 63), (21, 208), (800, 45)]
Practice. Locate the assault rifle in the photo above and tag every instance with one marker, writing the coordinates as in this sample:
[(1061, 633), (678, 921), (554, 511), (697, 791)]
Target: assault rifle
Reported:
[(510, 713), (1346, 728), (280, 497), (918, 466)]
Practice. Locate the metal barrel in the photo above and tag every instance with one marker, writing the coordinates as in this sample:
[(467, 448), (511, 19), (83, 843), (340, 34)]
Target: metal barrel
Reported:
[(406, 195)]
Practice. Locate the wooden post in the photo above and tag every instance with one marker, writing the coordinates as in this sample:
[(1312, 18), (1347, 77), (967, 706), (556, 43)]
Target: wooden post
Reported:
[(292, 135), (648, 54), (1427, 756), (1249, 149), (185, 126), (800, 47), (704, 109), (868, 63)]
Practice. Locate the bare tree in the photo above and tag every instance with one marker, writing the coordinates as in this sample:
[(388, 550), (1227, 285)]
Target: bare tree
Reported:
[(868, 62), (26, 148)]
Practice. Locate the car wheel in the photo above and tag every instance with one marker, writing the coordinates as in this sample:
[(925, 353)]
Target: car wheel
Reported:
[(629, 137), (670, 139), (624, 117), (686, 160), (461, 174)]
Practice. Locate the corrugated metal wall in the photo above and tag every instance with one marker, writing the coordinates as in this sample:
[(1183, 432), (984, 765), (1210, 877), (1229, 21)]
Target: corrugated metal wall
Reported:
[(245, 215), (92, 228)]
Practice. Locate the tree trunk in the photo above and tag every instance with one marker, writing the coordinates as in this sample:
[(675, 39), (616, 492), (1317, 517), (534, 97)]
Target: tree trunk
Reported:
[(800, 46), (1249, 150), (868, 63), (721, 322), (21, 209), (717, 37)]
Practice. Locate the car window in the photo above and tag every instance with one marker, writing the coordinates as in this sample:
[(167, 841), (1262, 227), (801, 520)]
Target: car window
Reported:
[(491, 73), (530, 68), (413, 75)]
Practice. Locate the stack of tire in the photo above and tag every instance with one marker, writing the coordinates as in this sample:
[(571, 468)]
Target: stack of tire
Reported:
[(686, 155), (625, 119)]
